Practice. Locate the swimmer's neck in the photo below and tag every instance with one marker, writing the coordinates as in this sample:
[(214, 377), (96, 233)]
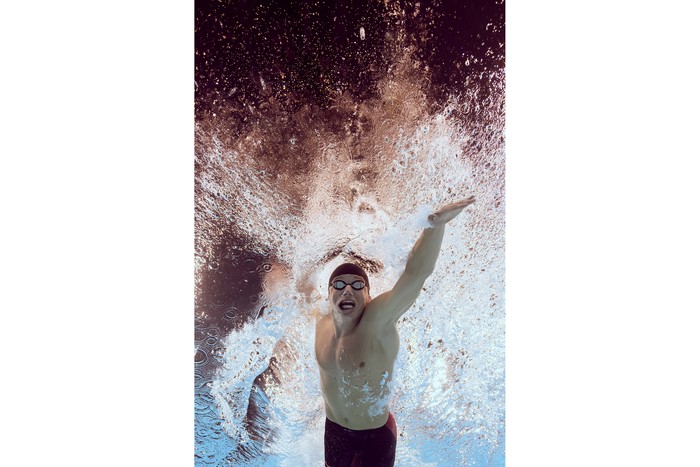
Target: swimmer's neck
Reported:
[(345, 325)]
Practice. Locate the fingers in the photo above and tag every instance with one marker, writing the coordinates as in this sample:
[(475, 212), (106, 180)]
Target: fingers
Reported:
[(462, 204), (450, 211), (468, 201)]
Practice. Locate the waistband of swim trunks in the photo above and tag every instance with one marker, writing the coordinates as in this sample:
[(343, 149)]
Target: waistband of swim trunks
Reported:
[(349, 430)]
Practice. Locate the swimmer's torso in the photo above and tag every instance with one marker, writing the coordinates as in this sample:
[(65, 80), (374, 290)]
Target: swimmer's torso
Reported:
[(356, 373)]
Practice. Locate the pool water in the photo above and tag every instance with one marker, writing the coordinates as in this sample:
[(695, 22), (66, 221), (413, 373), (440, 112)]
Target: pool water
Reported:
[(292, 191)]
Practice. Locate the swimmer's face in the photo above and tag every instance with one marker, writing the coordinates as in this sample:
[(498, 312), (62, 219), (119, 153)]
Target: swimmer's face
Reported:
[(344, 295)]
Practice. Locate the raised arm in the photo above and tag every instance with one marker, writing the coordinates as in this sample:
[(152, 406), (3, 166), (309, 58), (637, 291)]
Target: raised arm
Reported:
[(389, 306)]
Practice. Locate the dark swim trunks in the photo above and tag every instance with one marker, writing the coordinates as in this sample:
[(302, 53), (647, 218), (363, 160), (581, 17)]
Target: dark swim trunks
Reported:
[(349, 448)]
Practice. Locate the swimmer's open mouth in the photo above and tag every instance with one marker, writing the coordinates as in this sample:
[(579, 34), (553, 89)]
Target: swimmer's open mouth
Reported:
[(346, 305)]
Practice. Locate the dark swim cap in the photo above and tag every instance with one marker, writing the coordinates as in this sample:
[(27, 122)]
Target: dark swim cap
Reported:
[(349, 268)]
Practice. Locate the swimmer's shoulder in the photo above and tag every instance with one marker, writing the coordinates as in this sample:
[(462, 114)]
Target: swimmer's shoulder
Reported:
[(322, 327), (376, 318), (322, 320)]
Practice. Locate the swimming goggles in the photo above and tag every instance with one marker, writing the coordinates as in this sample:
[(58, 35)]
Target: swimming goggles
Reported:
[(340, 285)]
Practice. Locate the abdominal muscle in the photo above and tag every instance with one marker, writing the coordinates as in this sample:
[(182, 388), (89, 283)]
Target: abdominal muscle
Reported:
[(358, 402), (356, 375)]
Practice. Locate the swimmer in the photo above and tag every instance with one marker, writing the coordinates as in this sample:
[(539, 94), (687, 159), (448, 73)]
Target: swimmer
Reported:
[(356, 346)]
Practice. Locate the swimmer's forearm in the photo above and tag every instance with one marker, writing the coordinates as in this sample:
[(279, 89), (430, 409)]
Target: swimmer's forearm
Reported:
[(421, 261)]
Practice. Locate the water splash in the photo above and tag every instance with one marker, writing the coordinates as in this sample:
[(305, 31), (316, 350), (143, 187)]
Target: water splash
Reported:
[(307, 189)]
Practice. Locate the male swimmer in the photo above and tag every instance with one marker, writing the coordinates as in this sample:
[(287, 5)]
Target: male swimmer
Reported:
[(356, 346)]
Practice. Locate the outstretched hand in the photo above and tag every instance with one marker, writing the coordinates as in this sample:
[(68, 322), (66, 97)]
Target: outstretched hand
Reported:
[(445, 214)]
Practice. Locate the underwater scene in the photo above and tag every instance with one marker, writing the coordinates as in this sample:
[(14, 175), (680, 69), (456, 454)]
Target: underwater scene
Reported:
[(326, 132)]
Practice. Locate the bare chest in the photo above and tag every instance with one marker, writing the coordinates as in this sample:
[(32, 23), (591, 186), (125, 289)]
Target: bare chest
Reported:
[(356, 355), (346, 354)]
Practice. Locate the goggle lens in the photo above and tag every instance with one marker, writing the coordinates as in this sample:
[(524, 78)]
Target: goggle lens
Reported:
[(340, 285)]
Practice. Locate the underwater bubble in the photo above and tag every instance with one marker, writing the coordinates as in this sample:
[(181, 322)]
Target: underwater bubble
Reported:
[(231, 313), (201, 357), (204, 404), (250, 265), (203, 430)]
